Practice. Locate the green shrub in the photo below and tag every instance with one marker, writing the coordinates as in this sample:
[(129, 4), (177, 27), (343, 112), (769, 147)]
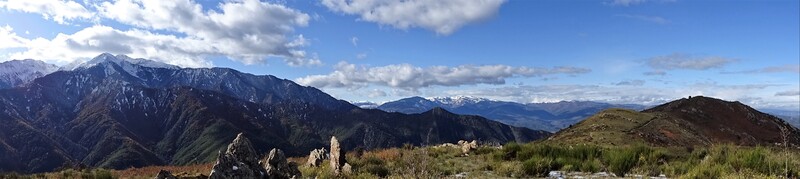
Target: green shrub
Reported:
[(539, 166)]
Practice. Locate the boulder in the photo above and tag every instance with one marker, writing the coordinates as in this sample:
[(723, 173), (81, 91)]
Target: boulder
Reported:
[(347, 169), (238, 161), (163, 174), (278, 168), (316, 157), (337, 157), (467, 147)]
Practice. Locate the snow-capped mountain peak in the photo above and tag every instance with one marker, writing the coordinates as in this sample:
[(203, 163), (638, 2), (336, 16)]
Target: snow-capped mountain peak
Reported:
[(17, 72), (121, 60), (457, 100)]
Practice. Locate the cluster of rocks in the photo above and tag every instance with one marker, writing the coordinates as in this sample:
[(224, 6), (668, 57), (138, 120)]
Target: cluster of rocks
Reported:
[(465, 146), (241, 161)]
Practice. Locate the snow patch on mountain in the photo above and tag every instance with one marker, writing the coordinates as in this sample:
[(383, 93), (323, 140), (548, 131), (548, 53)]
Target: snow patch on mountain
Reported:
[(456, 101), (18, 72)]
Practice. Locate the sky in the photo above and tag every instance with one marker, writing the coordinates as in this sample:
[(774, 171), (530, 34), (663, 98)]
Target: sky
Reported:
[(617, 51)]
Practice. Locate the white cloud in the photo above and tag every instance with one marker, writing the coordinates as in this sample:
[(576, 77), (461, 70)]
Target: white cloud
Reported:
[(91, 41), (626, 2), (248, 30), (630, 83), (408, 77), (757, 95), (444, 17), (653, 19), (655, 73), (683, 61), (9, 39), (374, 93), (59, 11), (354, 41), (788, 93), (361, 55), (789, 68), (178, 32)]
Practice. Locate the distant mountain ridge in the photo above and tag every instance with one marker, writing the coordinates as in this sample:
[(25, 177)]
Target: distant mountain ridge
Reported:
[(694, 121), (541, 116), (119, 113), (18, 72)]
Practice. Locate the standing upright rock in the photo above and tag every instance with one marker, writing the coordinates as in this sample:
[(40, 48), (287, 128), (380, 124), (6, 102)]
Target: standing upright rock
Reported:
[(337, 157), (239, 161), (278, 168), (316, 157)]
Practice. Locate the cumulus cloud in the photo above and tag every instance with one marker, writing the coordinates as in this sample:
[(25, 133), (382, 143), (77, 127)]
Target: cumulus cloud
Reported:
[(408, 77), (9, 39), (683, 61), (59, 11), (630, 83), (232, 31), (91, 41), (788, 93), (789, 68), (443, 17), (652, 19), (179, 32)]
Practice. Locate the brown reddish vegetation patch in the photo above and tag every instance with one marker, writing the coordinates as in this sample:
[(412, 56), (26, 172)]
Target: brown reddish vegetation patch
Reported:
[(151, 171)]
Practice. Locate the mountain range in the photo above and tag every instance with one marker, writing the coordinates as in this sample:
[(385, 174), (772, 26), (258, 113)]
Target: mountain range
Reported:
[(693, 121), (120, 112), (17, 72), (541, 116)]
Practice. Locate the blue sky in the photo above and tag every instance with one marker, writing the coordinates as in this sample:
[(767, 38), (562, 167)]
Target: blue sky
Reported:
[(618, 51)]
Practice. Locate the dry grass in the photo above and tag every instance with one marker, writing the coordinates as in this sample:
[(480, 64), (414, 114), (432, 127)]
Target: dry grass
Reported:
[(151, 171), (384, 154)]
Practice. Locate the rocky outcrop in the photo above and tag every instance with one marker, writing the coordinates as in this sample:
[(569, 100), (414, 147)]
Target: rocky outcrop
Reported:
[(163, 174), (239, 161), (337, 159), (278, 168), (316, 157), (467, 147)]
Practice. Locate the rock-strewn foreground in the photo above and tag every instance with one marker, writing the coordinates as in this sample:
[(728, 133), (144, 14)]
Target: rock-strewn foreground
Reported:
[(118, 114)]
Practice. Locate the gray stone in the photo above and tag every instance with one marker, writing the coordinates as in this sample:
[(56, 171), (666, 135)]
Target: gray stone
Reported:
[(316, 157), (278, 168), (337, 157), (238, 161), (467, 147)]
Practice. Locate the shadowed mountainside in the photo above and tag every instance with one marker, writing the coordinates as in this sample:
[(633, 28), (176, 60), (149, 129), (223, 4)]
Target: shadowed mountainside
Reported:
[(117, 114)]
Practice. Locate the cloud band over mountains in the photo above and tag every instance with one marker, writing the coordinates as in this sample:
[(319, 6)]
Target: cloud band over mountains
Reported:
[(406, 76)]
